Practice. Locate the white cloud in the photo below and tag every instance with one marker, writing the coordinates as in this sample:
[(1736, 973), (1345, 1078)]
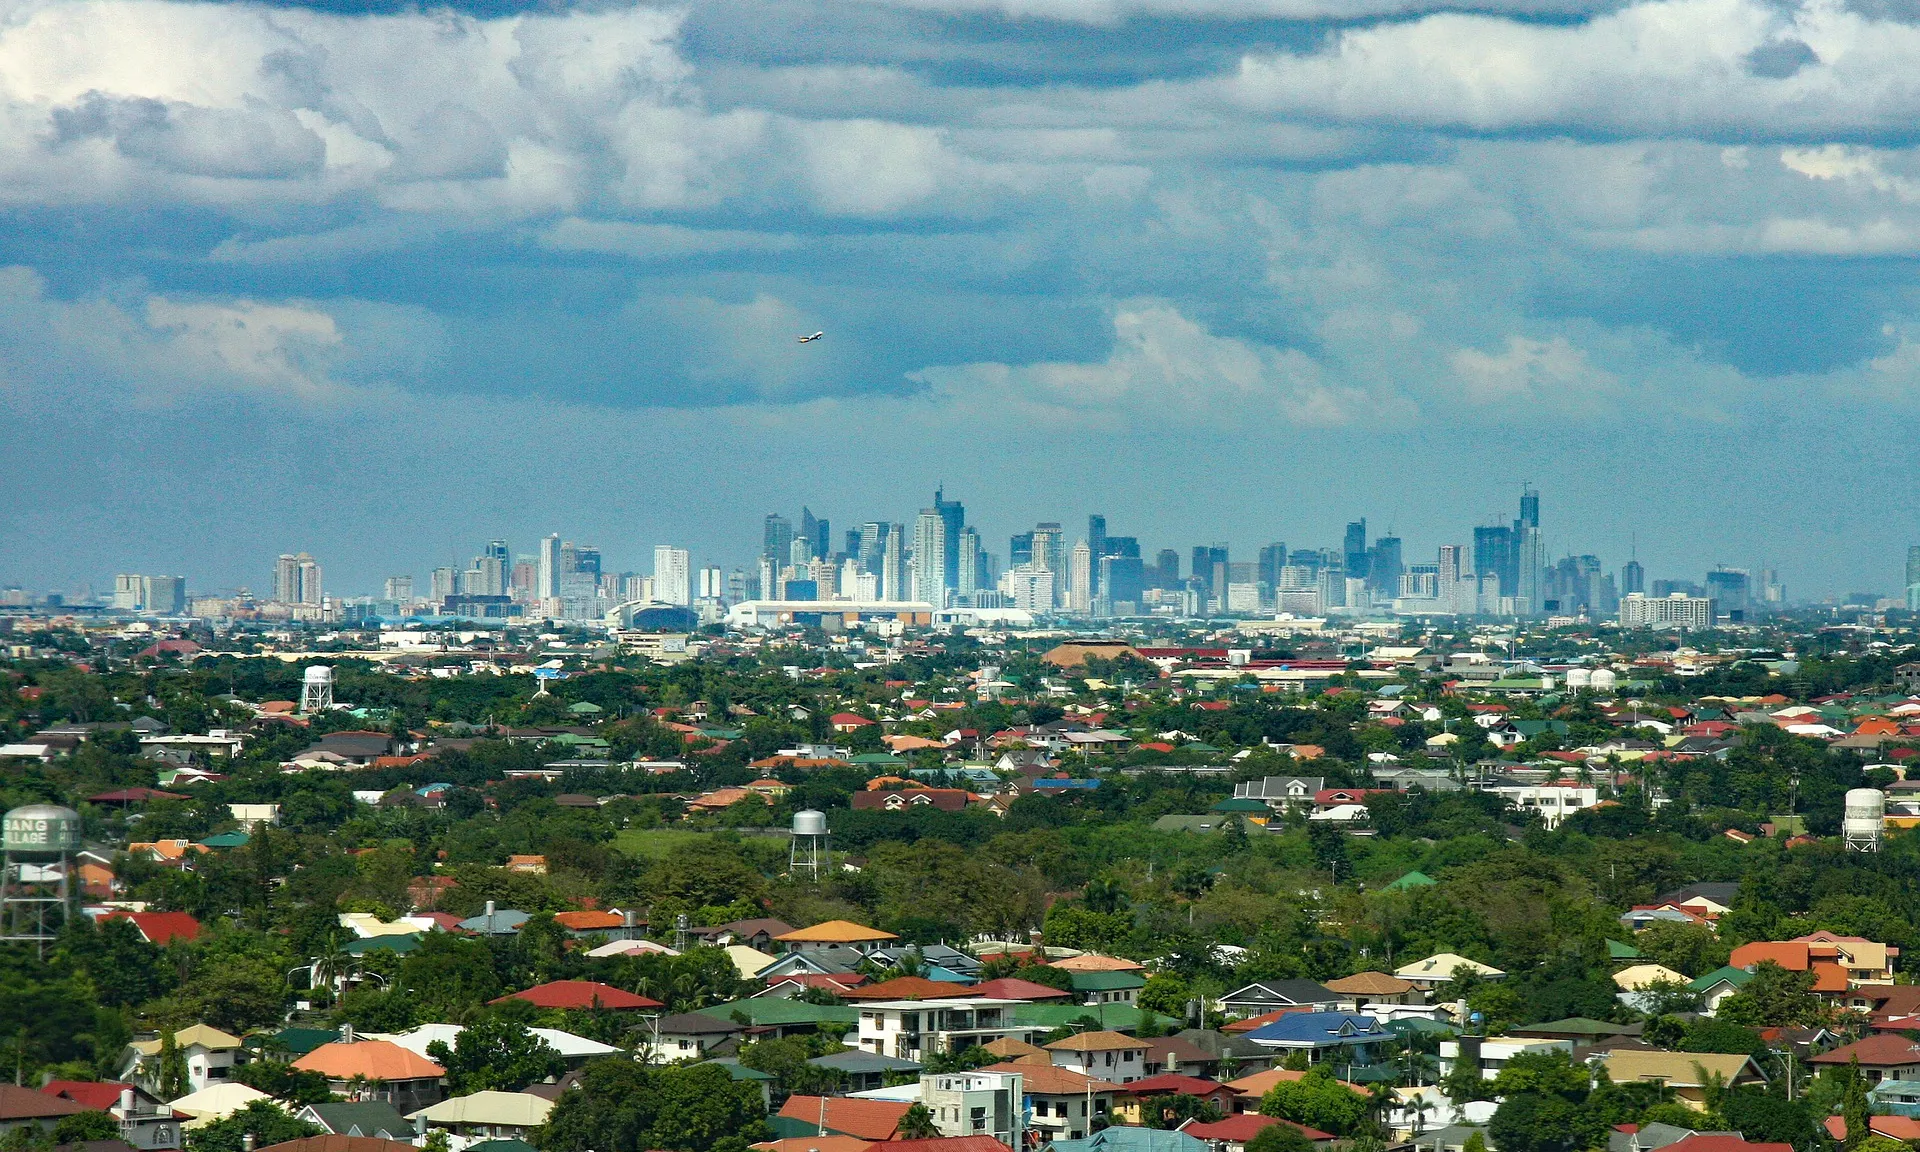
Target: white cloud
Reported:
[(1165, 367), (1550, 373)]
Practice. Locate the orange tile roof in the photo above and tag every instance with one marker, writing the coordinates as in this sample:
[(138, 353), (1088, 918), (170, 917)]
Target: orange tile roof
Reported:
[(373, 1059), (1098, 1042), (910, 988), (835, 932), (589, 921), (867, 1119), (1050, 1080), (1094, 962)]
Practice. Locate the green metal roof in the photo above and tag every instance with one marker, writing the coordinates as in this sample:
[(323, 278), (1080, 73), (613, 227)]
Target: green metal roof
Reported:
[(1107, 981), (1414, 879), (1618, 951), (1737, 977), (299, 1041), (1112, 1017), (772, 1010), (226, 840), (1239, 804)]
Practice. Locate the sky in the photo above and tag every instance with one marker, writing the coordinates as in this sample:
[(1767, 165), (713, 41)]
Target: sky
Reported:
[(381, 283)]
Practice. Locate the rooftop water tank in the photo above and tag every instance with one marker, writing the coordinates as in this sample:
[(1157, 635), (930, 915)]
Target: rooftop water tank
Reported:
[(46, 828), (1579, 677), (808, 822), (1861, 818), (1603, 680)]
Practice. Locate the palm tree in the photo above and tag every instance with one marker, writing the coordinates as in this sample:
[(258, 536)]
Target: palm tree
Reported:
[(917, 1124), (333, 964), (1105, 894)]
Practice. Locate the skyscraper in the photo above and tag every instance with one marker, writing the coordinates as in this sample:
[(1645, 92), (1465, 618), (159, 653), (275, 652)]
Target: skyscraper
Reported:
[(953, 515), (399, 588), (1020, 549), (893, 563), (777, 541), (1531, 554), (1273, 558), (1166, 570), (929, 558), (1493, 552), (1050, 549), (1080, 578), (1355, 548), (969, 563), (1633, 578), (672, 569), (548, 587), (286, 580), (1097, 546), (873, 545), (1733, 589), (809, 532), (1384, 567)]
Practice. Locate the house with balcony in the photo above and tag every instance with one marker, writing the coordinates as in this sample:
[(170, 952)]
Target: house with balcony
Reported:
[(916, 1029)]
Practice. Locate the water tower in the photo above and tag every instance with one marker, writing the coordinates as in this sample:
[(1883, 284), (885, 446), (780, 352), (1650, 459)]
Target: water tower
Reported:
[(808, 847), (316, 689), (36, 893), (1862, 818)]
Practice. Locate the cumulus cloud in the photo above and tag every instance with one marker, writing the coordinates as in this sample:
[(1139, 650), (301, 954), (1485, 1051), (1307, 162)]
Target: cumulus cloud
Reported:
[(1548, 373), (1167, 367)]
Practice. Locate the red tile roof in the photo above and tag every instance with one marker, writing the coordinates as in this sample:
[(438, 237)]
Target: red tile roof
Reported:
[(1244, 1126), (373, 1059), (17, 1103), (941, 1144), (161, 927), (911, 988), (867, 1119), (1882, 1050), (98, 1095), (1014, 988), (1711, 1143), (580, 994), (1175, 1084)]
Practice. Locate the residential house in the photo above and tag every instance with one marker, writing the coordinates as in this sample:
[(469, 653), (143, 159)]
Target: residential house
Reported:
[(1362, 989), (1341, 1037), (1131, 1102), (1882, 1056), (984, 1106), (1274, 995), (208, 1053), (908, 799), (1111, 1056), (574, 1050), (843, 1115), (1234, 1132), (159, 928), (375, 1118), (37, 1112), (690, 1035), (485, 1115), (1683, 1074), (782, 1018), (918, 1029), (582, 994), (1434, 971), (757, 933), (145, 1123), (1065, 1103), (1108, 987), (1491, 1053), (375, 1070), (1280, 793), (835, 934), (1717, 985), (865, 1071)]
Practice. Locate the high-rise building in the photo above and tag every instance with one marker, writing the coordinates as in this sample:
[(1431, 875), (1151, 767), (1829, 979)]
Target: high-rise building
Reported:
[(1732, 590), (1050, 548), (893, 564), (872, 545), (713, 583), (1273, 558), (1031, 587), (1384, 567), (1494, 554), (809, 535), (286, 579), (1166, 567), (1677, 610), (929, 558), (399, 589), (548, 587), (126, 593), (954, 516), (1080, 578), (1529, 508), (969, 564), (672, 575), (586, 561), (1210, 568), (445, 583), (1354, 547), (1121, 581), (1097, 545), (1020, 550), (164, 595), (777, 539), (1633, 578)]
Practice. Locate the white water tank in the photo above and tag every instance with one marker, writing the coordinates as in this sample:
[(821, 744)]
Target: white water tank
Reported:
[(1579, 677), (1603, 680), (808, 822), (1862, 818)]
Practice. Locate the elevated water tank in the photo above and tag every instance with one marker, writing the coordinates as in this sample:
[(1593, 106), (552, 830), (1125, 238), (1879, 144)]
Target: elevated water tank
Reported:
[(1579, 677), (1862, 818), (808, 822), (319, 674), (1603, 680), (43, 829)]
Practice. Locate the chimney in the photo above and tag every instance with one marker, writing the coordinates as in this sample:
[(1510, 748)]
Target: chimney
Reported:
[(346, 1033)]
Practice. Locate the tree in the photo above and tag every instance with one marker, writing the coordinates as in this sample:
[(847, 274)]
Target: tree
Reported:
[(266, 1123), (1477, 1142), (295, 1086), (172, 1077), (1175, 1109), (917, 1124), (1543, 1073), (450, 974), (1531, 1122), (1316, 1100), (1774, 998), (1281, 1137), (1166, 994), (1854, 1109), (86, 1126), (627, 1107), (1766, 1118), (498, 1055)]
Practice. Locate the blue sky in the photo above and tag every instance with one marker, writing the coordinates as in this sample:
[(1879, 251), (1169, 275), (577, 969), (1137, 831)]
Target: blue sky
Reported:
[(381, 284)]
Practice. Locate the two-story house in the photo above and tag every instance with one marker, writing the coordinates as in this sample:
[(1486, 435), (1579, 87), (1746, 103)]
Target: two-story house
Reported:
[(917, 1029), (1111, 1056)]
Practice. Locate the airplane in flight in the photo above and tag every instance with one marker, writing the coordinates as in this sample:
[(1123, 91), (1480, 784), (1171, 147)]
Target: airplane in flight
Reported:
[(812, 338)]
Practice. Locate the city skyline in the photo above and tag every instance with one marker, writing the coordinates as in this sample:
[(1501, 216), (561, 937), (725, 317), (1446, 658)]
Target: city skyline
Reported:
[(1508, 560)]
